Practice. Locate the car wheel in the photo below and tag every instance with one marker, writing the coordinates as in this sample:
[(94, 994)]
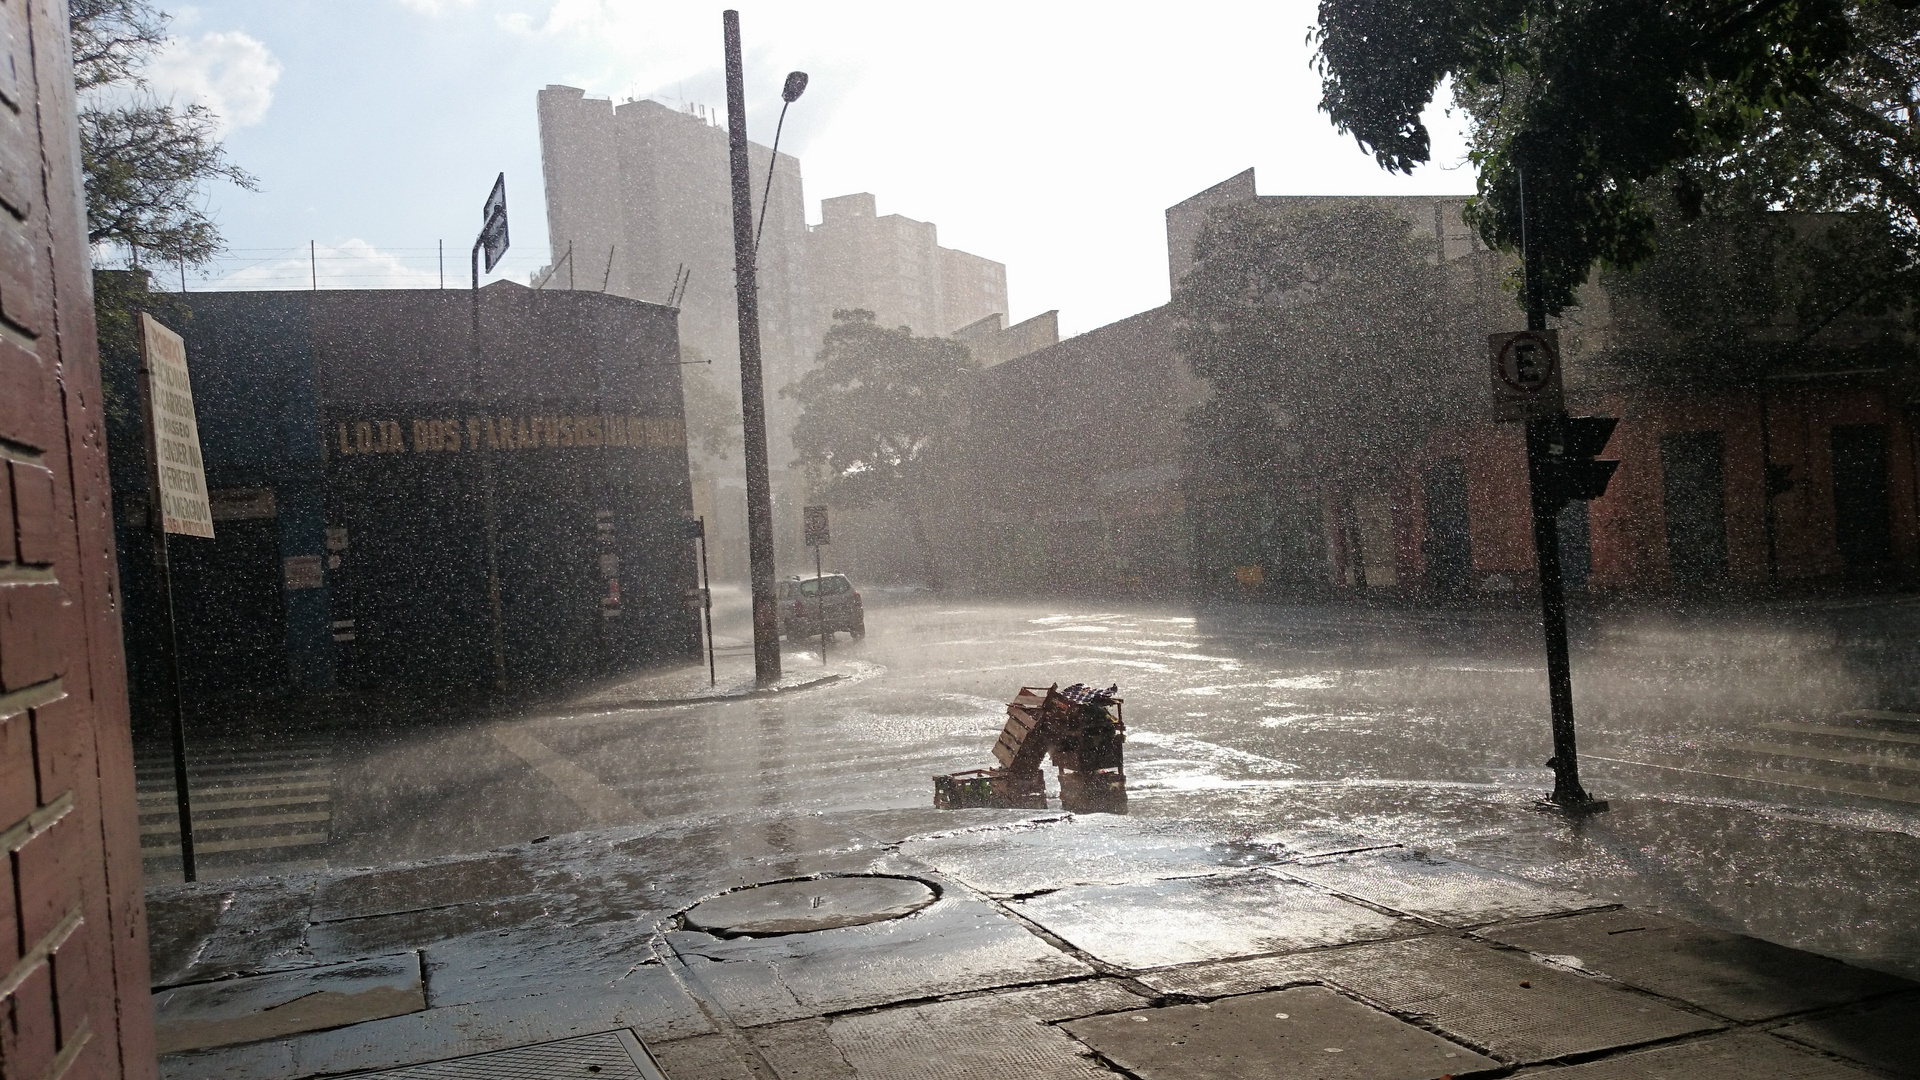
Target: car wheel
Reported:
[(857, 632)]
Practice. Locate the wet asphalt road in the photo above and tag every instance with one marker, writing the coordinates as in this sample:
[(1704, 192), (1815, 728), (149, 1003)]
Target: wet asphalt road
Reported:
[(1423, 727)]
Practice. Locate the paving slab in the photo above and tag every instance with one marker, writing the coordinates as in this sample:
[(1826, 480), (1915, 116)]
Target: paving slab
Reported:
[(1306, 843), (259, 926), (1438, 890), (799, 907), (489, 966), (1885, 1036), (263, 1007), (1213, 980), (1503, 1002), (1070, 1001), (1738, 977), (613, 1055), (416, 888), (1157, 924), (703, 1057), (179, 926), (1025, 859), (956, 945), (1308, 1032), (415, 929), (1743, 1055), (971, 1039), (649, 1002)]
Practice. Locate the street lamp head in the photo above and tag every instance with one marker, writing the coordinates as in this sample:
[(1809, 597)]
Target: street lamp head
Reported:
[(796, 85)]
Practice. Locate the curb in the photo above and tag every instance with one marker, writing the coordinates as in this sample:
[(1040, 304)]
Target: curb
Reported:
[(704, 699)]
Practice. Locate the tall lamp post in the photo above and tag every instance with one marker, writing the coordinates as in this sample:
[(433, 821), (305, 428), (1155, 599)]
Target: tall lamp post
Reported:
[(753, 402)]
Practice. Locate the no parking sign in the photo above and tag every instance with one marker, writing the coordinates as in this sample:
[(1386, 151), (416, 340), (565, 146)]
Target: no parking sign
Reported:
[(1526, 374)]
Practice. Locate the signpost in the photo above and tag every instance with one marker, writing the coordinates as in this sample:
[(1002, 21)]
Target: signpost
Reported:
[(1560, 466), (697, 528), (493, 240), (818, 535), (179, 504)]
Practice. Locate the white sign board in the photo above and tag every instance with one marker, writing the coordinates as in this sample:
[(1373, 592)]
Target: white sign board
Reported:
[(1526, 374), (174, 437)]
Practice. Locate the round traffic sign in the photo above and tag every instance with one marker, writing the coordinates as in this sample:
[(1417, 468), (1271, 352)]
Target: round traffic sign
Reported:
[(1527, 363)]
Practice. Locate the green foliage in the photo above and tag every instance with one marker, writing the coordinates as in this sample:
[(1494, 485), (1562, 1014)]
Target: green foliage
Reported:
[(878, 409), (1325, 319), (146, 162), (1594, 98)]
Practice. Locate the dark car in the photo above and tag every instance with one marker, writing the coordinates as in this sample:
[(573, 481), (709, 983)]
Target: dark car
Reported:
[(809, 605)]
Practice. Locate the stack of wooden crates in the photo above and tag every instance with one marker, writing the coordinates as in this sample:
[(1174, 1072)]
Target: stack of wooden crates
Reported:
[(1086, 742)]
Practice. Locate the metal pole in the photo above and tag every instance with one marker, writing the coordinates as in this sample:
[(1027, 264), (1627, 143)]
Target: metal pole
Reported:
[(1772, 515), (1567, 791), (487, 499), (753, 406), (443, 262), (706, 601), (163, 571), (313, 265), (820, 606)]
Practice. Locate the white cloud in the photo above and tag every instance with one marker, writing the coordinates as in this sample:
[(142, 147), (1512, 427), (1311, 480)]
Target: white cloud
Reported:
[(354, 264), (228, 72), (433, 7)]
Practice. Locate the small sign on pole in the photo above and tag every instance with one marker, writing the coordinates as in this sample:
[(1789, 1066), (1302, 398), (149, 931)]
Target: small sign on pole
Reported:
[(1526, 374), (493, 229), (180, 475), (815, 520)]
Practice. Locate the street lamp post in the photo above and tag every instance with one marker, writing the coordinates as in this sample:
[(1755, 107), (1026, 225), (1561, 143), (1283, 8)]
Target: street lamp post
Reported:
[(753, 402)]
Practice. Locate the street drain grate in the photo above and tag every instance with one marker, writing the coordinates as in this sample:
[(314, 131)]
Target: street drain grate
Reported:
[(611, 1055)]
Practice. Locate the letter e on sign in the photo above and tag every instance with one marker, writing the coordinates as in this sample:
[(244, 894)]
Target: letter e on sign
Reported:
[(1525, 374)]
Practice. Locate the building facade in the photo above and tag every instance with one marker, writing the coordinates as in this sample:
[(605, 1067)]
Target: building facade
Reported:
[(1795, 471), (401, 507)]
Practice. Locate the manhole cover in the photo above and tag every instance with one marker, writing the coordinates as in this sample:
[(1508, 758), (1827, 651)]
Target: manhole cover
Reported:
[(797, 907)]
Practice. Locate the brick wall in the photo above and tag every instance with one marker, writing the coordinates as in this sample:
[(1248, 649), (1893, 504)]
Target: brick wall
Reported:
[(73, 961)]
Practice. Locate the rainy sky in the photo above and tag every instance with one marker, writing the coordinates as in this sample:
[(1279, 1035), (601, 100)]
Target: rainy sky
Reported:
[(1048, 136)]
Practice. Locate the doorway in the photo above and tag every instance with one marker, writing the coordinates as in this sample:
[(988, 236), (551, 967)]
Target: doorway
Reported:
[(1693, 470), (1447, 546), (1860, 517)]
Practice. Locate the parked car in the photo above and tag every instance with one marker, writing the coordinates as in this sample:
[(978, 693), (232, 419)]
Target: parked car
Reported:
[(807, 604)]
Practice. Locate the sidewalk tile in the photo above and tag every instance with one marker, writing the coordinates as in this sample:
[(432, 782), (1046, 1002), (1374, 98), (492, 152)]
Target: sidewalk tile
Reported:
[(1026, 859), (414, 929), (263, 1007), (1886, 1036), (1503, 1001), (1070, 1001), (703, 1057), (1309, 1031), (1238, 976), (612, 1055), (972, 1039), (1738, 977), (1209, 918), (1439, 890), (648, 1001), (1738, 1056), (416, 888), (956, 945)]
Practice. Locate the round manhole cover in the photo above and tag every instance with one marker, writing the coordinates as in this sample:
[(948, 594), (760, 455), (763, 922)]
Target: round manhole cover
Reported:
[(797, 907)]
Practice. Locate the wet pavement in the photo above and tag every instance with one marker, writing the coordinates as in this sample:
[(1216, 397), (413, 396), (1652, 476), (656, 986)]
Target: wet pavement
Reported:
[(1195, 966), (1303, 781)]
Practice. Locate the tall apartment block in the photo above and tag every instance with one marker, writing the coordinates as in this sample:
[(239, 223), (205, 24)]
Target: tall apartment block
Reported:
[(895, 267)]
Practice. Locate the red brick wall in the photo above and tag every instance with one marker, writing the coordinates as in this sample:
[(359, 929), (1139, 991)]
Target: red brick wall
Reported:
[(73, 943)]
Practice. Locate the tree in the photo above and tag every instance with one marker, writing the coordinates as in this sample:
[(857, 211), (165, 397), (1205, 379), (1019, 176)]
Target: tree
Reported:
[(1321, 318), (146, 162), (1592, 99), (878, 410), (713, 414)]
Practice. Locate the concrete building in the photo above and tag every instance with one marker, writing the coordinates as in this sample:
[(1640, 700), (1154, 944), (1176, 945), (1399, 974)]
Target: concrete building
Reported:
[(389, 514), (895, 267)]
